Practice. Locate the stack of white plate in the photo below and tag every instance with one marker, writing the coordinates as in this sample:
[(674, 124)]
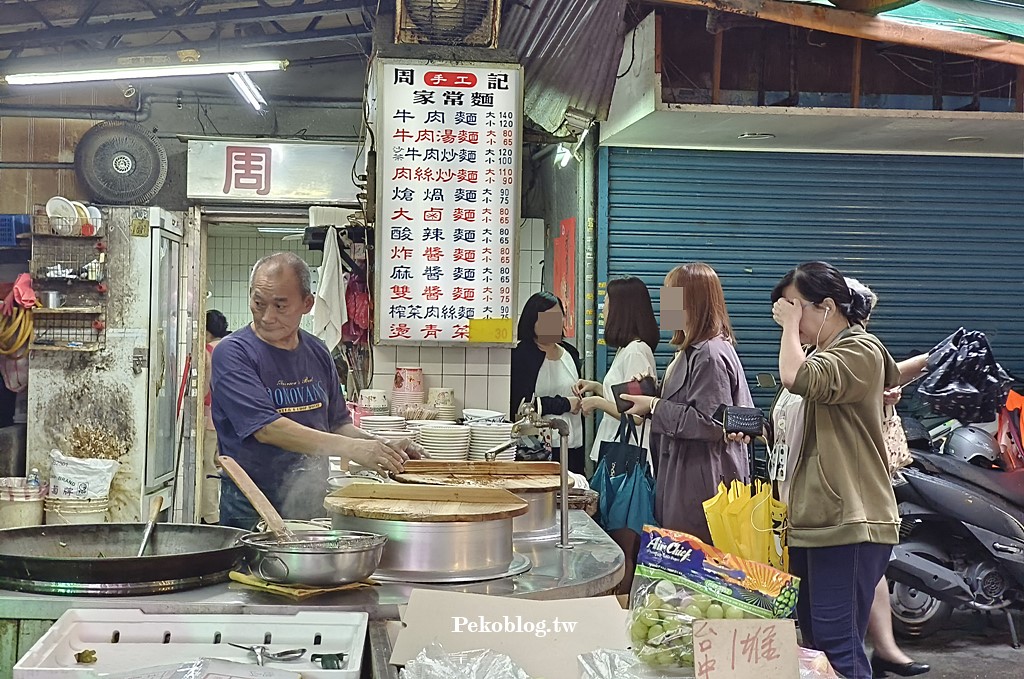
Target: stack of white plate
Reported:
[(374, 424), (485, 436), (447, 442)]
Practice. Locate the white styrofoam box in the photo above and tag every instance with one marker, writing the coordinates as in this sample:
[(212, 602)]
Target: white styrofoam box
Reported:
[(130, 639)]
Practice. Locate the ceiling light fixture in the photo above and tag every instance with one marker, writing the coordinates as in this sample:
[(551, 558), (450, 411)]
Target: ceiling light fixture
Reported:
[(755, 136), (966, 140), (280, 230), (248, 89), (141, 72)]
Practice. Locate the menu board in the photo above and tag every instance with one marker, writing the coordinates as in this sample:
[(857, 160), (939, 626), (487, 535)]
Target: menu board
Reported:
[(449, 143)]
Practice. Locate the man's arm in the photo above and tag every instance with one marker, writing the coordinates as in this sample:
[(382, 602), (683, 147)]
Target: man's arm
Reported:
[(364, 450)]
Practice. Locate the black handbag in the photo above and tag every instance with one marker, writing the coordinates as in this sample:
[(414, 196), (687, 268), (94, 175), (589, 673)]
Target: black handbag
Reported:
[(740, 420)]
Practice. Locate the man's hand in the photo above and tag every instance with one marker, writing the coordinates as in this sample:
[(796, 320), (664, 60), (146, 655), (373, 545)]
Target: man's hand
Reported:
[(376, 455), (412, 450)]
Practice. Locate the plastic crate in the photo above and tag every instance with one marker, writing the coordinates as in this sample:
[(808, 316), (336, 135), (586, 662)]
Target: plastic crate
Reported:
[(11, 226)]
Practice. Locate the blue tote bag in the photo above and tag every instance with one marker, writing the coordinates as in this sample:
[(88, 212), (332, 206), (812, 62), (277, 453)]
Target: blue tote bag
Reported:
[(625, 483)]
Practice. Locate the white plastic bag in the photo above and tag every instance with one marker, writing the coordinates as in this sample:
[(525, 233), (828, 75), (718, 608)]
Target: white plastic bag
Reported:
[(434, 663), (80, 479)]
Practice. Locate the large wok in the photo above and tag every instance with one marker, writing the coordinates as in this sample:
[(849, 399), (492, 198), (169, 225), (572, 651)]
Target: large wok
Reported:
[(99, 559)]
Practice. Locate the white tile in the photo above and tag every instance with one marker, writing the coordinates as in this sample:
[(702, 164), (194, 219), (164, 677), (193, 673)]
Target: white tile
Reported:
[(525, 235), (476, 361), (384, 361), (432, 378), (382, 380), (476, 390), (499, 362), (458, 383), (454, 359), (408, 357), (430, 360), (498, 393)]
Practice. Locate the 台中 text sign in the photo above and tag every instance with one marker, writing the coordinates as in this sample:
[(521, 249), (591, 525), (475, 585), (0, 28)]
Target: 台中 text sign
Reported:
[(448, 146), (745, 649)]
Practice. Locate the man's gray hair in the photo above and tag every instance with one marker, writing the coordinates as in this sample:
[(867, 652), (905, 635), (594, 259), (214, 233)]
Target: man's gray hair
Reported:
[(290, 260)]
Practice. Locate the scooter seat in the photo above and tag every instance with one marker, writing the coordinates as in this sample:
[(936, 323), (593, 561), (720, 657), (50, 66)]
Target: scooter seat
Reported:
[(1007, 485)]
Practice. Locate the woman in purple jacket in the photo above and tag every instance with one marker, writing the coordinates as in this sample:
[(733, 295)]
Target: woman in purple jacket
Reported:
[(693, 456)]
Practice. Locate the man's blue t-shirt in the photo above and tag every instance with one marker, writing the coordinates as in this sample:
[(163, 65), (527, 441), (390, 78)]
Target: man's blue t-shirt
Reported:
[(253, 384)]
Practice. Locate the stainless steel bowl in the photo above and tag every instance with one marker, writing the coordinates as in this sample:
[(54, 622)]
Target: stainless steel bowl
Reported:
[(321, 558)]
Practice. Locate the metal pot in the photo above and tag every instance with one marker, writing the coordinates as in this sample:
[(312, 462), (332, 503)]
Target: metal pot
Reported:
[(99, 559), (540, 518), (421, 551), (316, 557)]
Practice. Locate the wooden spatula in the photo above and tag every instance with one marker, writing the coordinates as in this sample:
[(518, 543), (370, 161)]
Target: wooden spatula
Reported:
[(258, 500)]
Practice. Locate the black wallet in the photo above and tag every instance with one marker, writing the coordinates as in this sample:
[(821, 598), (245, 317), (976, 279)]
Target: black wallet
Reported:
[(644, 387), (740, 420)]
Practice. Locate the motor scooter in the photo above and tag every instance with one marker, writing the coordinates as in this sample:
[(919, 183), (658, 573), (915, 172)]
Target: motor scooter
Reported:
[(962, 534)]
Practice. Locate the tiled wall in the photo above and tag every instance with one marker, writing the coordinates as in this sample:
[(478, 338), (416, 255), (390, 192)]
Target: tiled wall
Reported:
[(229, 261), (480, 376), (531, 258)]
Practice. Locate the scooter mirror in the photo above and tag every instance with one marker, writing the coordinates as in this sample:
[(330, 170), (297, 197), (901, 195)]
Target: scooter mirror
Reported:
[(766, 381)]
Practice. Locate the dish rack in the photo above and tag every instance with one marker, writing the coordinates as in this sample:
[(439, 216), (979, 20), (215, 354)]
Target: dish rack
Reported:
[(127, 640), (66, 261)]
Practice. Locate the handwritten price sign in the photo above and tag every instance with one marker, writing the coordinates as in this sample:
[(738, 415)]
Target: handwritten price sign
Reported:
[(745, 649)]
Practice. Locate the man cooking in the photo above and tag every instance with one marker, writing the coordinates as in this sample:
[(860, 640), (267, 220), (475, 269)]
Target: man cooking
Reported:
[(277, 406)]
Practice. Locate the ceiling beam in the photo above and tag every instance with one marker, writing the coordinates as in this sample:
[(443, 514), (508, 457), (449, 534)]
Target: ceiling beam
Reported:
[(54, 36), (865, 26), (218, 47)]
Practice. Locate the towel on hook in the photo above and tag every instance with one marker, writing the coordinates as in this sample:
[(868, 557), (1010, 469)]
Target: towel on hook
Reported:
[(330, 310)]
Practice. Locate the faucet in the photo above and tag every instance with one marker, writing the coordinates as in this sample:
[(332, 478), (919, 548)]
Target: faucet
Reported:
[(529, 423)]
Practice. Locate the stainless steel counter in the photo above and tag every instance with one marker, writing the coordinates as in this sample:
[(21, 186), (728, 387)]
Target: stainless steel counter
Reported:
[(594, 566)]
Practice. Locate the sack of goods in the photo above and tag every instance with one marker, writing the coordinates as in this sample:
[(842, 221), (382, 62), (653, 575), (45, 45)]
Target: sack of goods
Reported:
[(79, 478), (680, 580)]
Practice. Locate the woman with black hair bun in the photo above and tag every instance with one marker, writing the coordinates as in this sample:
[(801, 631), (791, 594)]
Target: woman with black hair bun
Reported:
[(547, 367), (827, 433)]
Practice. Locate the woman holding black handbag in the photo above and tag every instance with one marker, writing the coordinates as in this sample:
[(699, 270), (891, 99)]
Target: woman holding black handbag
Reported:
[(693, 456)]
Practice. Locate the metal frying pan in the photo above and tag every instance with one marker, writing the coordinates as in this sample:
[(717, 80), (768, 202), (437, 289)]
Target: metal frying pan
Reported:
[(100, 559)]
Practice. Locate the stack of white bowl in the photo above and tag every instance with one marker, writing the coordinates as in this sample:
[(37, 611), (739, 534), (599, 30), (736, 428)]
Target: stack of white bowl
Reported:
[(446, 442), (413, 425), (480, 415), (408, 390), (378, 424), (442, 399), (487, 435)]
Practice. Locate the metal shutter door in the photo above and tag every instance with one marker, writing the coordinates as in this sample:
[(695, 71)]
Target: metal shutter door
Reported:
[(939, 239)]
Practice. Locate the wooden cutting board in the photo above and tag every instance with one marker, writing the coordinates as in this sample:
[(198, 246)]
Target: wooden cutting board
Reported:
[(518, 477), (406, 502)]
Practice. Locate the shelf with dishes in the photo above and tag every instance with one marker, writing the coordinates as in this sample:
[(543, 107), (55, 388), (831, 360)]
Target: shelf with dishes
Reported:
[(68, 219)]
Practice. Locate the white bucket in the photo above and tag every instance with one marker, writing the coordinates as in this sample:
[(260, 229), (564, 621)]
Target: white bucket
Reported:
[(62, 512), (20, 506)]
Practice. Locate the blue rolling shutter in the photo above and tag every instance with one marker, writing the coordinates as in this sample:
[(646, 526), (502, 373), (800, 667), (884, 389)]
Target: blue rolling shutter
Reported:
[(939, 239)]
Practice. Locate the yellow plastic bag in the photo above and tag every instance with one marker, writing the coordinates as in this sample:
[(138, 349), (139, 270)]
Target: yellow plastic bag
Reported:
[(750, 523)]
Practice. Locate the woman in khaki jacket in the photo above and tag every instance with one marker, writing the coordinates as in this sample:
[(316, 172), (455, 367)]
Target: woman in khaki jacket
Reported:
[(828, 425)]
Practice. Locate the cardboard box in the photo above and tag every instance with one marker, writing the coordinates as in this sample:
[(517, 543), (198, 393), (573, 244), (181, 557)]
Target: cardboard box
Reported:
[(542, 637)]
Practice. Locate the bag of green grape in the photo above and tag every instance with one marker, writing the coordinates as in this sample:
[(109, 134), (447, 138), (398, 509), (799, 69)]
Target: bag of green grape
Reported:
[(680, 579)]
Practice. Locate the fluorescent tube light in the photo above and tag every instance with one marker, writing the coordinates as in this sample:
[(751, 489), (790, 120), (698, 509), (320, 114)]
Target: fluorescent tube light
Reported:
[(278, 230), (247, 88), (130, 73)]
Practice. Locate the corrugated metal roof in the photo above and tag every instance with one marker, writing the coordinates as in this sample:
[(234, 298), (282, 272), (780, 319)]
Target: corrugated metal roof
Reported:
[(1001, 19), (570, 50)]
